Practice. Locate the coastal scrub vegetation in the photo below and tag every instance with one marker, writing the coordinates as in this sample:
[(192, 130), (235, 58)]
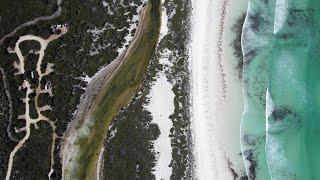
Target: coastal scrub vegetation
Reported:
[(15, 13), (75, 55), (119, 90), (129, 149)]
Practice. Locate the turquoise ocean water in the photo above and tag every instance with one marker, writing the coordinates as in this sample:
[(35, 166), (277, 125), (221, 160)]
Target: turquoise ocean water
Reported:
[(280, 128)]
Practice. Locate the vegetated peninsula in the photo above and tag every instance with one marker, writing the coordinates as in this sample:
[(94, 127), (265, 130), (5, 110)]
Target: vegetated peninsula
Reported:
[(81, 152), (48, 60)]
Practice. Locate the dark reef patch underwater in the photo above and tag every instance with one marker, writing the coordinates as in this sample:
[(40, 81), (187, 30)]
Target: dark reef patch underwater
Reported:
[(281, 89)]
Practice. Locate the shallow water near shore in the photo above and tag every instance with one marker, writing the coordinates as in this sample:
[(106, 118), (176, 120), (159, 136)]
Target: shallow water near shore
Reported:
[(280, 122)]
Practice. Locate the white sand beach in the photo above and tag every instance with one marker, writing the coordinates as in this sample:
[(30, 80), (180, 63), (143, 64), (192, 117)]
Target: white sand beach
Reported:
[(230, 116), (216, 89)]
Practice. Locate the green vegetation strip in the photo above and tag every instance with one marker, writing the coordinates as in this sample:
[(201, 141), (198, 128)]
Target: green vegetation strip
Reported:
[(119, 91)]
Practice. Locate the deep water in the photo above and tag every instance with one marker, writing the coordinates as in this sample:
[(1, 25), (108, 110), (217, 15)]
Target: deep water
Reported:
[(280, 129)]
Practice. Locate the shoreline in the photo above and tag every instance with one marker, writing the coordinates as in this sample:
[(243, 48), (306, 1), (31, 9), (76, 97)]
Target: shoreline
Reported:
[(99, 80), (216, 130), (207, 93), (229, 124), (96, 120)]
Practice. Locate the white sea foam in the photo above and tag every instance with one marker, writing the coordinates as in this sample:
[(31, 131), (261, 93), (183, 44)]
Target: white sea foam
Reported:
[(280, 15)]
